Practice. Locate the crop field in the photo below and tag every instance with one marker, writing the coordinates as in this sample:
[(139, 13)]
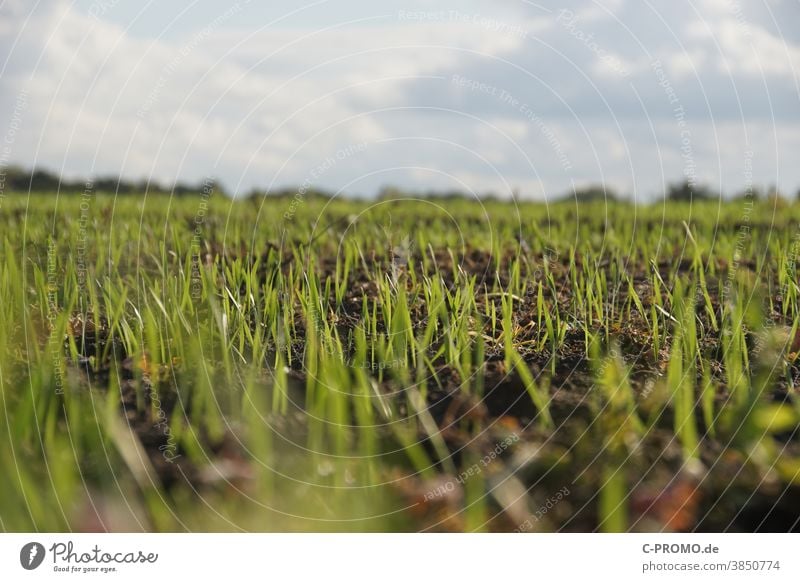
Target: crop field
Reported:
[(308, 364)]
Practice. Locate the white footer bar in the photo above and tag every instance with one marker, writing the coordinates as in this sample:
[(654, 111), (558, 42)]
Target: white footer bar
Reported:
[(400, 557)]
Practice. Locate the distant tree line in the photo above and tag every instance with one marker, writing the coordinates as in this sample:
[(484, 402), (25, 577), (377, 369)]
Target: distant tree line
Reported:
[(686, 192), (15, 178), (683, 191), (38, 180)]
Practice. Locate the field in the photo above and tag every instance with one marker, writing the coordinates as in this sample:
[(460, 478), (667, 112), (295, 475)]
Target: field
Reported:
[(305, 364)]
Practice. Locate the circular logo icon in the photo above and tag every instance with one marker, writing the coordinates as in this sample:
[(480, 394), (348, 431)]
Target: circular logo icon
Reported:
[(31, 555)]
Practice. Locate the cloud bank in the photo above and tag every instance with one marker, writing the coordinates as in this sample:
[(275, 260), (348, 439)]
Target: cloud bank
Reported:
[(483, 96)]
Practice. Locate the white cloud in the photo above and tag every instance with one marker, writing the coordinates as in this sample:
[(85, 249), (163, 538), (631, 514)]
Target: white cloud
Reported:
[(757, 52)]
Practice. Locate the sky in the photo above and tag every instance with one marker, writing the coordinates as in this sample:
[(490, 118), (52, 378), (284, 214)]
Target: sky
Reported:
[(494, 96)]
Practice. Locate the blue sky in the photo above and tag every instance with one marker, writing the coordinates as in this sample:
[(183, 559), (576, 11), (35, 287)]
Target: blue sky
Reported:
[(500, 95)]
